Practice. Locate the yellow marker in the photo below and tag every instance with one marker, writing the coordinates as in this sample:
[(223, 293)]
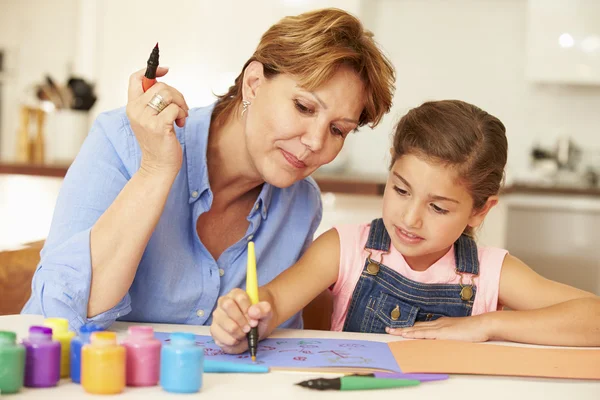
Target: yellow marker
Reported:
[(252, 290)]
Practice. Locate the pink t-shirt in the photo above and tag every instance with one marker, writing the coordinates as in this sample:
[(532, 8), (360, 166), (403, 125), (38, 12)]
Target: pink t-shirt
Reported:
[(352, 261)]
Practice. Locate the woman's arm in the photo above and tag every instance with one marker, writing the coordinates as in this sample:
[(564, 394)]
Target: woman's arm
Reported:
[(119, 237)]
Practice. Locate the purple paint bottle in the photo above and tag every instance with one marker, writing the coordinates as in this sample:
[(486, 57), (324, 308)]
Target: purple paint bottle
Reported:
[(143, 356), (42, 358)]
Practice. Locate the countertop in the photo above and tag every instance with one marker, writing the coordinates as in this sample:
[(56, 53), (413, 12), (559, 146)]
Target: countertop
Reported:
[(348, 183)]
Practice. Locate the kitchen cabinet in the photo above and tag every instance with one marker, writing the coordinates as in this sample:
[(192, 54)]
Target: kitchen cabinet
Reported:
[(563, 41)]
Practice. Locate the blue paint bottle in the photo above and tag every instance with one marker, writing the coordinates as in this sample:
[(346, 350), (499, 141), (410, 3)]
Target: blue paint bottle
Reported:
[(181, 364), (76, 344)]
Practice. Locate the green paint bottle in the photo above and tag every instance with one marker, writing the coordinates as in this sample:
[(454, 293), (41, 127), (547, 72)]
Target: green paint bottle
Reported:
[(12, 363)]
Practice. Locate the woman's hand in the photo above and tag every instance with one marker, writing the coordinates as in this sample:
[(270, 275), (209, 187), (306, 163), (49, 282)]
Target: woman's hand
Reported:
[(233, 318), (470, 329), (155, 133)]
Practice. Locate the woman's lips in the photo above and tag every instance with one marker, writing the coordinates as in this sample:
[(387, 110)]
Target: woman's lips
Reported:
[(294, 162)]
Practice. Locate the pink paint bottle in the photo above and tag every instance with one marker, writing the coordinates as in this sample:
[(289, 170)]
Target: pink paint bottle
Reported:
[(143, 356)]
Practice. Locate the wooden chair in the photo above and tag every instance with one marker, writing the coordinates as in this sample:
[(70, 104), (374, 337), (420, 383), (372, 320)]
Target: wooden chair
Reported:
[(317, 315), (16, 270)]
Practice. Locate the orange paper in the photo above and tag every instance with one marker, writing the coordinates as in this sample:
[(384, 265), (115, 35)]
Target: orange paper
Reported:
[(454, 357)]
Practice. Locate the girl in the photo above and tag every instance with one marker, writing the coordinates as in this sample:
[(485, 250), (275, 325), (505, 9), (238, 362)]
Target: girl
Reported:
[(417, 272)]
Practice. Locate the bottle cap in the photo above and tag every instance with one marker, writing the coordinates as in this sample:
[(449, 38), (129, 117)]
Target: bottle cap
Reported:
[(7, 338), (89, 328), (104, 338), (40, 332), (182, 338), (141, 332), (58, 325)]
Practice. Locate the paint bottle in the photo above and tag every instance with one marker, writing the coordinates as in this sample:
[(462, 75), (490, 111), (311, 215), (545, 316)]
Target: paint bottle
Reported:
[(103, 364), (76, 344), (12, 363), (42, 358), (181, 364), (143, 356), (62, 334)]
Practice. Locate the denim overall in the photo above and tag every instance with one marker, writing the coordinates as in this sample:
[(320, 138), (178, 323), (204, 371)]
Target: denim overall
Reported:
[(383, 297)]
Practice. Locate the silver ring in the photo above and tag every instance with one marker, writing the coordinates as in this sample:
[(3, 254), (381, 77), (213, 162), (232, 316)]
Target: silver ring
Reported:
[(157, 103)]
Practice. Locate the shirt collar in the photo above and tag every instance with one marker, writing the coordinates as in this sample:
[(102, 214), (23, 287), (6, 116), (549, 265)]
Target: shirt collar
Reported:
[(196, 142)]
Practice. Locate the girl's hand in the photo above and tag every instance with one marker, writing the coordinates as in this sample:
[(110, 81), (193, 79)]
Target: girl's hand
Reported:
[(155, 132), (233, 318), (470, 329)]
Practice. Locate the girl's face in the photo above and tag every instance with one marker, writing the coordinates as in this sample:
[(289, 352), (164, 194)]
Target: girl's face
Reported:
[(290, 131), (425, 209)]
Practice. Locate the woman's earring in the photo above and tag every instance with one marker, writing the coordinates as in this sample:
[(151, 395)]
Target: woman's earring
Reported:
[(245, 105)]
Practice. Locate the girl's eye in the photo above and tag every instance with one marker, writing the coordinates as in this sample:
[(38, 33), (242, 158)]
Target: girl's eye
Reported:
[(336, 131), (401, 192), (438, 209), (302, 108)]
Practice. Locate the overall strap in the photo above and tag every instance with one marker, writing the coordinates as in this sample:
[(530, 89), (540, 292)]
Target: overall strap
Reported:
[(465, 255), (378, 236)]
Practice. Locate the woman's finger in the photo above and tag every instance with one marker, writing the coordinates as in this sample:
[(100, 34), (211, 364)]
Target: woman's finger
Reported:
[(168, 93), (169, 115), (135, 89)]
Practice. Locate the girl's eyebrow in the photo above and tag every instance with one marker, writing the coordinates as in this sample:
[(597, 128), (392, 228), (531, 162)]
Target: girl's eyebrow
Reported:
[(431, 196)]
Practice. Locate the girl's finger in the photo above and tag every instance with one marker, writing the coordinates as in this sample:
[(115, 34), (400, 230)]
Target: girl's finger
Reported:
[(224, 337), (236, 315)]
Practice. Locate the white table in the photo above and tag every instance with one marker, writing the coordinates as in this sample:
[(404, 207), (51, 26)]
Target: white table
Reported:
[(280, 385)]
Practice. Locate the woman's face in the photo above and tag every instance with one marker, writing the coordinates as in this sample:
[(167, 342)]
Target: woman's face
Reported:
[(290, 131)]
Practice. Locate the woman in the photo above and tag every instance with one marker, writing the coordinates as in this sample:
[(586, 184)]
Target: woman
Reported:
[(153, 219)]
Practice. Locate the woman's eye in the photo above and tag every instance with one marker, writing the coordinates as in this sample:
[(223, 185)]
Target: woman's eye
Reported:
[(401, 192), (336, 131), (438, 209), (302, 108)]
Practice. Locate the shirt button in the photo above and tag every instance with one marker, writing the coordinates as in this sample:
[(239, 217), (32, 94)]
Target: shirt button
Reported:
[(195, 194), (256, 207), (249, 238), (221, 272), (200, 313)]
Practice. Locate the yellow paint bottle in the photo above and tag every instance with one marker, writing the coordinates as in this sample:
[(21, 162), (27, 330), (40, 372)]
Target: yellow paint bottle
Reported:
[(103, 364), (62, 334)]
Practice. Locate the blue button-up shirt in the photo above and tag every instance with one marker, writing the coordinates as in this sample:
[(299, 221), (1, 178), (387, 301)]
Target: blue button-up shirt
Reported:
[(177, 281)]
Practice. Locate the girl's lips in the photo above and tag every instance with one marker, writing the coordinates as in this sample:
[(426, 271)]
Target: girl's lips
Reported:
[(407, 237), (294, 162)]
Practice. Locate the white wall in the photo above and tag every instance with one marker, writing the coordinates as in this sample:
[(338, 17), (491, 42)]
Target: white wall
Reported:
[(474, 50), (205, 43), (40, 37)]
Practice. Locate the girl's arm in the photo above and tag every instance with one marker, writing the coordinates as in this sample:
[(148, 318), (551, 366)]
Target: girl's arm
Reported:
[(283, 297), (542, 312), (545, 312), (297, 286)]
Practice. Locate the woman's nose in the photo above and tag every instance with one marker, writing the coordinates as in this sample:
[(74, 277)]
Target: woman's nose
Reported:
[(314, 138)]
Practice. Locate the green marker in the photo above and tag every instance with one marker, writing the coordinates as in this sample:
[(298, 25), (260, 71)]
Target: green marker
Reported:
[(357, 383), (12, 363)]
